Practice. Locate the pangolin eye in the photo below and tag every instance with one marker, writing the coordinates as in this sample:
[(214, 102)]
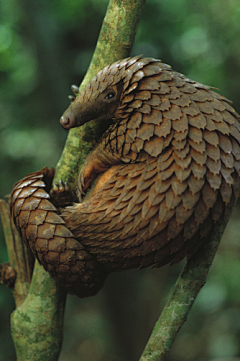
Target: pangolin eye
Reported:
[(110, 95)]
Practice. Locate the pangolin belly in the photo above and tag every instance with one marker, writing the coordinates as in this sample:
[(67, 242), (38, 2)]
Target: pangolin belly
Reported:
[(169, 167)]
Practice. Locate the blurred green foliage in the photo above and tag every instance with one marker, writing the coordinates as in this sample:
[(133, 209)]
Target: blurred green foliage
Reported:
[(45, 46)]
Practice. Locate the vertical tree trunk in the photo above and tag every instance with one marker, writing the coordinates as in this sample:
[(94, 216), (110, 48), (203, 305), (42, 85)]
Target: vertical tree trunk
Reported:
[(37, 324)]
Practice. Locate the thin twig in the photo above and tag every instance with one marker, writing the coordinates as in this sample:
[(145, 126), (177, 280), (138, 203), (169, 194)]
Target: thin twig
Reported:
[(19, 257)]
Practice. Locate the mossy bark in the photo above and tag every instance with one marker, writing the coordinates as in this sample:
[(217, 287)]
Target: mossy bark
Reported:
[(37, 325)]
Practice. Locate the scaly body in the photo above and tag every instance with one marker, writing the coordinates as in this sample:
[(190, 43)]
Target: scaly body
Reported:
[(169, 165)]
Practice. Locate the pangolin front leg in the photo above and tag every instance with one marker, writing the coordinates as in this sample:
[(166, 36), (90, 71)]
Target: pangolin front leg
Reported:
[(97, 162)]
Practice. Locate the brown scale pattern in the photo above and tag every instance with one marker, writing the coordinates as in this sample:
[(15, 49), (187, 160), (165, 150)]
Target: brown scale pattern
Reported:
[(169, 166), (44, 232)]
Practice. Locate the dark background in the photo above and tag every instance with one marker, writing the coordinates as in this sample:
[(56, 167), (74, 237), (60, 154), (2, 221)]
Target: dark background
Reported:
[(45, 46)]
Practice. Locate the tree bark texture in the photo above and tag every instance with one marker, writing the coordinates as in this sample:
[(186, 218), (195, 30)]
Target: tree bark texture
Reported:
[(18, 255)]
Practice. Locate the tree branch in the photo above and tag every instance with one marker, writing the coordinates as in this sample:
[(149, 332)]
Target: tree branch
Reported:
[(187, 287), (19, 257), (37, 324)]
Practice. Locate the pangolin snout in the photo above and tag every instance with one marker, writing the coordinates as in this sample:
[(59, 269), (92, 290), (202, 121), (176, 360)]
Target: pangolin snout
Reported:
[(68, 120)]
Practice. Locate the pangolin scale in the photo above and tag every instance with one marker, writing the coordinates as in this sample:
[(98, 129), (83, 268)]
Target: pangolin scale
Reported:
[(166, 169)]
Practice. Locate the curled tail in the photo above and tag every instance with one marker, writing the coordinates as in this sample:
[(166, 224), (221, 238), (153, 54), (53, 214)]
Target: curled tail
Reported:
[(45, 233)]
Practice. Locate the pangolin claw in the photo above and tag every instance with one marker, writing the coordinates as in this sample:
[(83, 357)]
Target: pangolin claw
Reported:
[(75, 89), (61, 194), (71, 98), (80, 186)]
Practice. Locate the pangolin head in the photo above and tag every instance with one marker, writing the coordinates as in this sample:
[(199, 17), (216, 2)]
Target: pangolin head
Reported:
[(105, 96)]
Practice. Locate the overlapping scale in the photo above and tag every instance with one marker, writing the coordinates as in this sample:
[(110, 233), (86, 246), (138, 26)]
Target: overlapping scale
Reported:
[(173, 157), (45, 233)]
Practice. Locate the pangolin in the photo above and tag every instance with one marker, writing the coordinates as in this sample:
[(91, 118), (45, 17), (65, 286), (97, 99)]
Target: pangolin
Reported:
[(168, 167)]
